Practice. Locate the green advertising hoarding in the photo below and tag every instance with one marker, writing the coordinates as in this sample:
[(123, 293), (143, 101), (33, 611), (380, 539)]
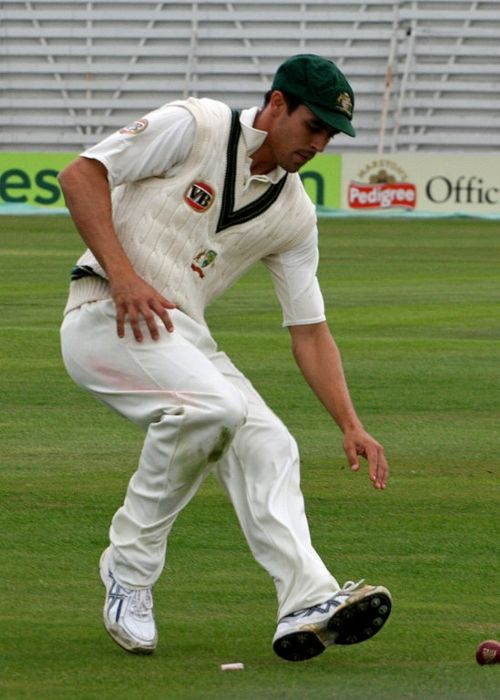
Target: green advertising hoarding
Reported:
[(28, 181), (322, 180)]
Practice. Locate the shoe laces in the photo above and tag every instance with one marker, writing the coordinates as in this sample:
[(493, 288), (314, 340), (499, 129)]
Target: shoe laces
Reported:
[(335, 601), (141, 603), (348, 588)]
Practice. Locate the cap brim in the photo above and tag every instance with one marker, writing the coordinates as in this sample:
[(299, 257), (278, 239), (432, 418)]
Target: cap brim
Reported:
[(335, 120)]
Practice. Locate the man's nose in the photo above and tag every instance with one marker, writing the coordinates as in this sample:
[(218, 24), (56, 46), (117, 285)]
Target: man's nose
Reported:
[(319, 141)]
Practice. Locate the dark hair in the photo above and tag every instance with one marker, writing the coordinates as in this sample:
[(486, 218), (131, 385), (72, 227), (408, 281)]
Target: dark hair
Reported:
[(292, 101)]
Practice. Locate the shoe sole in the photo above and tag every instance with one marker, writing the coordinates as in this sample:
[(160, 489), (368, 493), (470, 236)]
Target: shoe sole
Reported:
[(124, 642), (360, 619), (116, 632), (299, 646), (356, 621)]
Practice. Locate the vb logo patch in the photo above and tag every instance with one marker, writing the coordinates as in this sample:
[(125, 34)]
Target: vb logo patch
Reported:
[(200, 196), (135, 128)]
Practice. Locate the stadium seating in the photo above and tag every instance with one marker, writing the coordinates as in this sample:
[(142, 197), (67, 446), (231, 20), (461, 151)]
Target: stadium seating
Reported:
[(426, 74)]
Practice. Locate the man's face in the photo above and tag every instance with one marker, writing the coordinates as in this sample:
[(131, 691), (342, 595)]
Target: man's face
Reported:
[(297, 137)]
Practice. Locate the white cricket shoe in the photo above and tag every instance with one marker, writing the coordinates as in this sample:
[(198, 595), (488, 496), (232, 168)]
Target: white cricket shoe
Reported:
[(128, 613), (354, 613)]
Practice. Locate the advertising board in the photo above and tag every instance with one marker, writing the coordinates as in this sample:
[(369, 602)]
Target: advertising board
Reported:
[(437, 183), (430, 183), (30, 179)]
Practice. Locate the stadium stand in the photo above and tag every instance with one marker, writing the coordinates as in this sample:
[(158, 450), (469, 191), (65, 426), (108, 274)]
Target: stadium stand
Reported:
[(426, 73)]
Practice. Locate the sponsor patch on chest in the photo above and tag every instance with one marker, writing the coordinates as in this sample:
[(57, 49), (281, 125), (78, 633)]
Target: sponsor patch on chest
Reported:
[(200, 196)]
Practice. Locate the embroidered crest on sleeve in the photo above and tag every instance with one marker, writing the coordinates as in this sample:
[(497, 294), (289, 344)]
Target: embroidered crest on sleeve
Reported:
[(135, 128), (203, 260), (200, 196)]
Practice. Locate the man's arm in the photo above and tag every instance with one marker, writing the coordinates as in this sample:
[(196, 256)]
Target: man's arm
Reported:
[(318, 358), (86, 191)]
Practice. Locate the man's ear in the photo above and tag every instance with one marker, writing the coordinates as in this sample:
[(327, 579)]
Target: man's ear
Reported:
[(277, 102)]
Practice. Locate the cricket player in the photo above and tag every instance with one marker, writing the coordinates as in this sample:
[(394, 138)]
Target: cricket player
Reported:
[(174, 209)]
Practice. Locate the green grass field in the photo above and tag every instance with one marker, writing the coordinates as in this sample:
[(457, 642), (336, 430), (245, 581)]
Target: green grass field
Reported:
[(414, 306)]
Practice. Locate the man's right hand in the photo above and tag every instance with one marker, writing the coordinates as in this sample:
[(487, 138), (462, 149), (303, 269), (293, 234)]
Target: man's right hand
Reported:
[(84, 183), (137, 302)]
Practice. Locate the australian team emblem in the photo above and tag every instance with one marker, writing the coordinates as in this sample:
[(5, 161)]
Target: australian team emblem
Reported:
[(344, 103), (200, 196), (204, 259)]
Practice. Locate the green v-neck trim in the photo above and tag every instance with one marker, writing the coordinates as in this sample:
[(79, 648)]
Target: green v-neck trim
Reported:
[(229, 216)]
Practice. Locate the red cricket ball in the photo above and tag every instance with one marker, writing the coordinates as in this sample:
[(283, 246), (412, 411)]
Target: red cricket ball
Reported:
[(488, 652)]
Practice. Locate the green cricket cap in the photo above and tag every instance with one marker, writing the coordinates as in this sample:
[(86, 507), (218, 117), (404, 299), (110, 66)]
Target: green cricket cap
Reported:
[(321, 86)]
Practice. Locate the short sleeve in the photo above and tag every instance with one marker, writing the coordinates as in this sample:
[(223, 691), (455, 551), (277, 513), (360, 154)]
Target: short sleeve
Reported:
[(294, 274), (156, 145)]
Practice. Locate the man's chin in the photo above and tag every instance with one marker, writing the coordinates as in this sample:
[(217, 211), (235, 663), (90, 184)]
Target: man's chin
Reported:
[(302, 162), (293, 167)]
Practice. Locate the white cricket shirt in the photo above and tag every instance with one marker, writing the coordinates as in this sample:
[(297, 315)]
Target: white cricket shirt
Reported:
[(166, 140)]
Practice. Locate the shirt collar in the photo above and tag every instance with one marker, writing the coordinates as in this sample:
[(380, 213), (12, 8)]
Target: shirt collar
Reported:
[(254, 138)]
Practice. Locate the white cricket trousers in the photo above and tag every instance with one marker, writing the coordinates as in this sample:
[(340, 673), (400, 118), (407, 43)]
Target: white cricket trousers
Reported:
[(200, 414)]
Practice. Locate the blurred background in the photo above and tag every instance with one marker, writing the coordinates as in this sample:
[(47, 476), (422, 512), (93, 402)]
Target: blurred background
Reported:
[(426, 74)]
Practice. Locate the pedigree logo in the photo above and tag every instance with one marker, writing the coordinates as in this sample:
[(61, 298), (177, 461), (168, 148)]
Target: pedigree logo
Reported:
[(382, 185)]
